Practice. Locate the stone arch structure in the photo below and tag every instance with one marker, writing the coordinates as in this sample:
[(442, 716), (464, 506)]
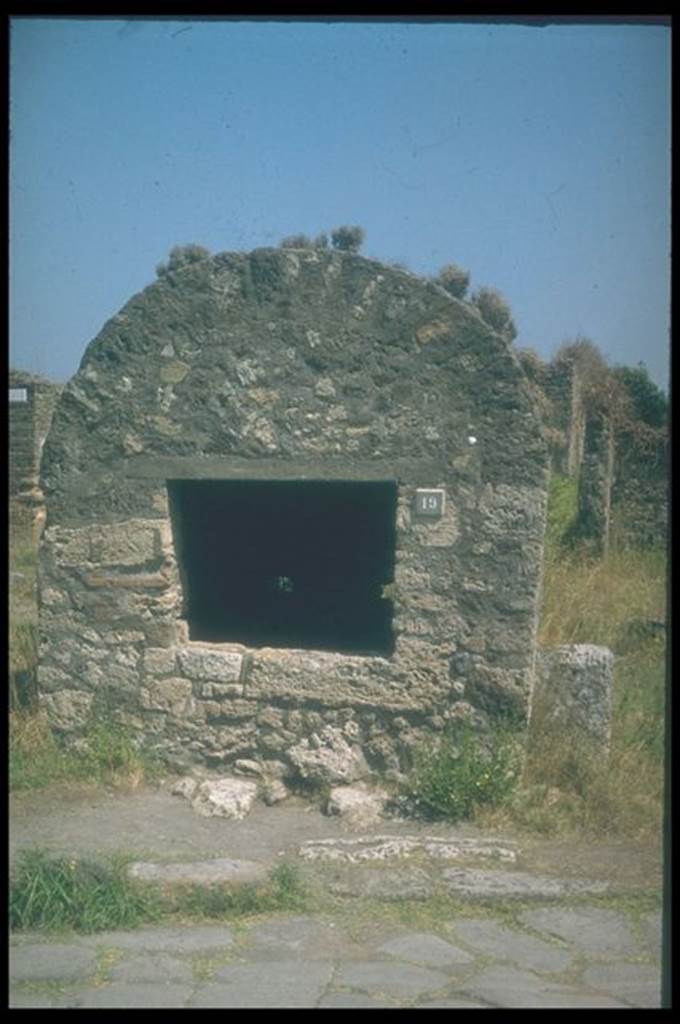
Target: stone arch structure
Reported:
[(292, 403)]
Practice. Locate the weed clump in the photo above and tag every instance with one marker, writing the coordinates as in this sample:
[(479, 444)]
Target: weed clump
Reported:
[(67, 893), (466, 771), (60, 893), (106, 754), (282, 890)]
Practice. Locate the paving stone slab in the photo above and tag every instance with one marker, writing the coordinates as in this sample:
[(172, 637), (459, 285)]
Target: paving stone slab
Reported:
[(411, 883), (638, 984), (297, 938), (158, 967), (596, 931), (510, 988), (426, 948), (651, 929), (146, 996), (503, 943), (18, 940), (274, 985), (50, 962), (452, 1004), (399, 981), (352, 1001), (31, 1001), (481, 882), (188, 939)]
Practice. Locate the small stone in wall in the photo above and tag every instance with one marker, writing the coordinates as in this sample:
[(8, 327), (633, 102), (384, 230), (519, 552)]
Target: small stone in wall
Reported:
[(203, 663), (244, 766), (329, 758), (225, 798), (67, 710)]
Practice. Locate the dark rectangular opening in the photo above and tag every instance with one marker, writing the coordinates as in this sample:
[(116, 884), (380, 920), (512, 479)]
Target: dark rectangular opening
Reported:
[(287, 563)]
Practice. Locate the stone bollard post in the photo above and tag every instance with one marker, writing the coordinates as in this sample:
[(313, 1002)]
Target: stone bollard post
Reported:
[(574, 687)]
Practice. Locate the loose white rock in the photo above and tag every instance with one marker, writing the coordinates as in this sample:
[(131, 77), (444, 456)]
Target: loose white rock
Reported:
[(359, 806), (225, 798)]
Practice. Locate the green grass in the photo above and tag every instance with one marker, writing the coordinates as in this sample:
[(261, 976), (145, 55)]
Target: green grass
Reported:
[(283, 890), (23, 611), (68, 894), (60, 893), (52, 893), (107, 755), (462, 772), (562, 514)]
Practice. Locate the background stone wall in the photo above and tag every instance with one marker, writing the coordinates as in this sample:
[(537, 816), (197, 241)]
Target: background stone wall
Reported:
[(639, 498), (622, 474), (29, 423), (285, 364)]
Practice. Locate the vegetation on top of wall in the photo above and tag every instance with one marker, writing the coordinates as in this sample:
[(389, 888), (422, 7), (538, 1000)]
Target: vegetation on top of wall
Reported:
[(648, 402), (495, 311), (454, 279), (348, 238), (304, 241), (182, 255), (627, 396)]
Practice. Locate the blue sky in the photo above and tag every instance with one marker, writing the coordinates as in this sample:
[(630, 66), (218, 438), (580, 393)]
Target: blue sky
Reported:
[(538, 159)]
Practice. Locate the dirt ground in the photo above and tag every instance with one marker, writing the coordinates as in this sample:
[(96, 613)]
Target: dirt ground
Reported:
[(151, 823)]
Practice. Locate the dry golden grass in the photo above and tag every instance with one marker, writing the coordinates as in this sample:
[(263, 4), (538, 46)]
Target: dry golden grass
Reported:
[(588, 600), (568, 785)]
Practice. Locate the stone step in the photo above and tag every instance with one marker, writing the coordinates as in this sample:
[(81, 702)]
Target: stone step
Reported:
[(222, 870)]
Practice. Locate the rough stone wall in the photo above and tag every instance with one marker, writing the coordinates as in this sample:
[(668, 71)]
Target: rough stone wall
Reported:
[(29, 423), (21, 436), (595, 482), (639, 497), (558, 393), (622, 473), (284, 364)]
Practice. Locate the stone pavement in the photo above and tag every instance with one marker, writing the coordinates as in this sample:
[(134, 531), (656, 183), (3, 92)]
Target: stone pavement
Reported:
[(565, 948), (553, 956)]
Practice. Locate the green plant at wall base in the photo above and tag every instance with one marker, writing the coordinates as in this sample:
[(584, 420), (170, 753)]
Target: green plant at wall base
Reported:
[(465, 771), (107, 754), (110, 751)]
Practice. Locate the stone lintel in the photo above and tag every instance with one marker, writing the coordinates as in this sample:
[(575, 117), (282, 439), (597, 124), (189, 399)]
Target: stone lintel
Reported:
[(232, 468), (136, 581)]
